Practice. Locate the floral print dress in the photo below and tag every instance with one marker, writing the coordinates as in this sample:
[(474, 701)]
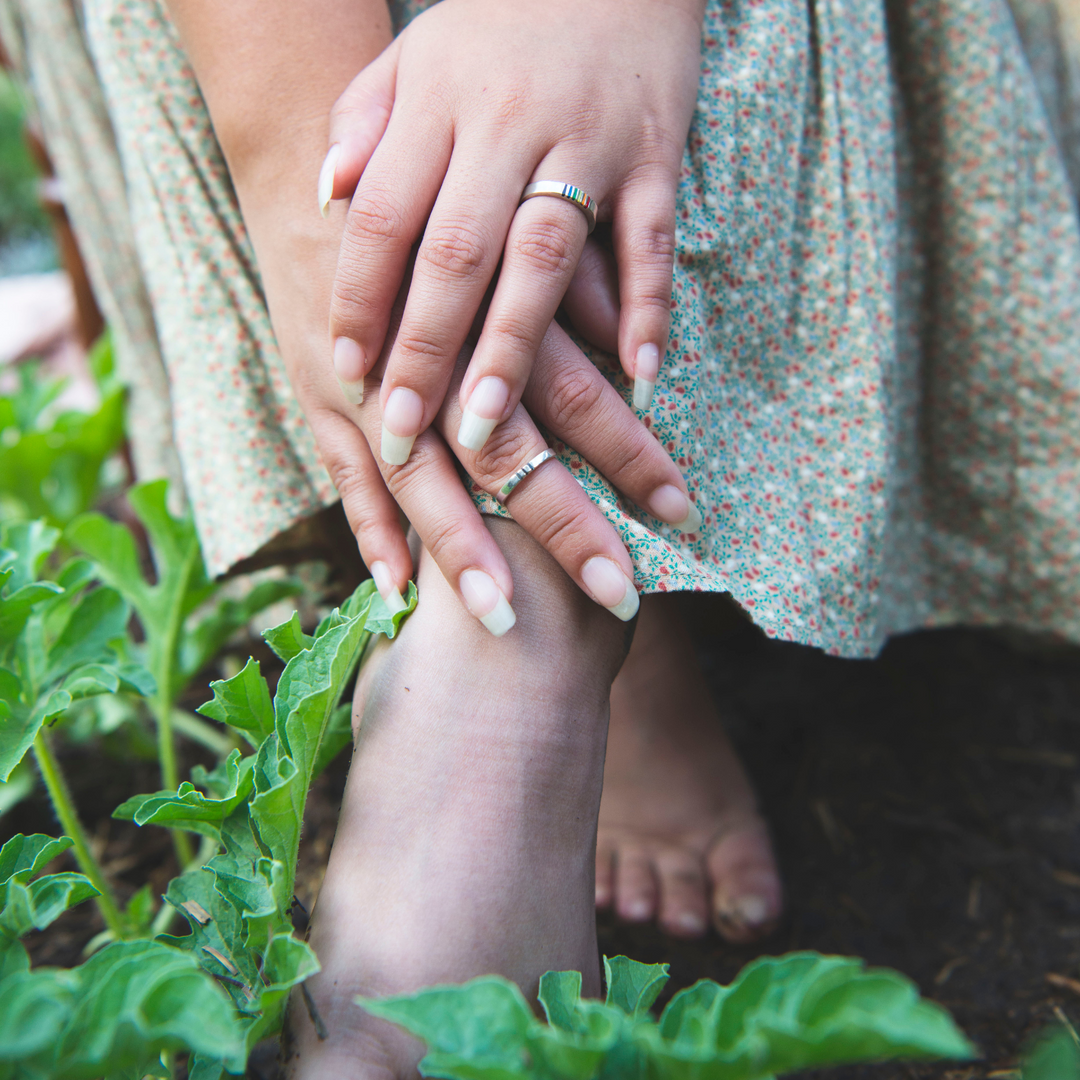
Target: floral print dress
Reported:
[(872, 384)]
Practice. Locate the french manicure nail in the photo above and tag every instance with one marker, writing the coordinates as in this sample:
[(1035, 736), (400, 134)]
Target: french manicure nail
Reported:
[(384, 582), (326, 178), (402, 414), (610, 587), (349, 369), (485, 600), (646, 368), (669, 504), (486, 404)]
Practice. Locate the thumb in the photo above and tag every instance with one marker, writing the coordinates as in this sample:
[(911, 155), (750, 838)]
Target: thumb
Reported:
[(357, 122)]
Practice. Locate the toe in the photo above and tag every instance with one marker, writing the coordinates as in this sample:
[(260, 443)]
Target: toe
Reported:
[(683, 904), (747, 897), (635, 885), (605, 874)]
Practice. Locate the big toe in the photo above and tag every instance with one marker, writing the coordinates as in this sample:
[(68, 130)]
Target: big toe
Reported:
[(747, 898)]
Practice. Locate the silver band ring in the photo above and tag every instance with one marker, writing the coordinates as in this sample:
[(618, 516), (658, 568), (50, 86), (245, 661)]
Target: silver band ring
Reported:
[(568, 192), (515, 478)]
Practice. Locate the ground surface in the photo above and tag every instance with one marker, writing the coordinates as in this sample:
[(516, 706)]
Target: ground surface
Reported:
[(925, 805)]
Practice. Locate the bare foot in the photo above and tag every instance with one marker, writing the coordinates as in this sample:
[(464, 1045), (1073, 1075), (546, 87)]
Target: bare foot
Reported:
[(680, 837), (466, 843)]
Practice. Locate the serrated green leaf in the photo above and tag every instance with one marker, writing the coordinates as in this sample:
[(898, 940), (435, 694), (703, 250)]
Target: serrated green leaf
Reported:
[(189, 808), (41, 903), (632, 986), (137, 998), (243, 702), (338, 735), (34, 1007), (473, 1032), (15, 608), (13, 959), (288, 639), (379, 618), (24, 856)]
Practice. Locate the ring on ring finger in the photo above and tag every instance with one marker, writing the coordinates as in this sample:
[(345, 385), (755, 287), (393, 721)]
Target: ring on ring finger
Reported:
[(515, 478)]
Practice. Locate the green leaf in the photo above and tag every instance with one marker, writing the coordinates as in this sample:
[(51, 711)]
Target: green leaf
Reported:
[(31, 543), (338, 735), (137, 998), (98, 619), (24, 856), (288, 639), (379, 619), (1055, 1055), (34, 1007), (243, 702), (631, 986), (476, 1031), (189, 808), (38, 905)]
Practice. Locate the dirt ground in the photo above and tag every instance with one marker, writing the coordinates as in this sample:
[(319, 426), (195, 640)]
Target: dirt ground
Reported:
[(925, 806)]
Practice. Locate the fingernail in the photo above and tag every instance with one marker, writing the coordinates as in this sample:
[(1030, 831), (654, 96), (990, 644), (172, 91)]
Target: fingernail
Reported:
[(637, 911), (646, 368), (486, 404), (610, 587), (326, 178), (401, 423), (384, 582), (669, 504), (349, 369), (485, 600)]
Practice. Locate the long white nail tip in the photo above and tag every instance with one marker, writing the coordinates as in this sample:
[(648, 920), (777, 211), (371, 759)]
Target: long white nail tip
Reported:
[(752, 910), (326, 178), (485, 600), (692, 522), (643, 393), (389, 592), (500, 619), (395, 449), (353, 391), (627, 608), (475, 430)]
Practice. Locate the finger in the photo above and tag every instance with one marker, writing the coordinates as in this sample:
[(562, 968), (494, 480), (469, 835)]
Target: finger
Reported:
[(551, 506), (592, 297), (371, 511), (461, 247), (357, 123), (542, 251), (384, 220), (682, 910), (643, 233), (569, 397), (635, 886)]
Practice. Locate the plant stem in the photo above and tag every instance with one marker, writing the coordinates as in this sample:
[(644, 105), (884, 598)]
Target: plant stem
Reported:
[(170, 780), (62, 802)]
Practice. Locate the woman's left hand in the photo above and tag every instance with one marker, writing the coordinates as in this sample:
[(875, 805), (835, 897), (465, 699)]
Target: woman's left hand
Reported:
[(438, 138)]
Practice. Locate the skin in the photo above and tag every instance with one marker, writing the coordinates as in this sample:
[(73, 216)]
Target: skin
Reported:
[(443, 896)]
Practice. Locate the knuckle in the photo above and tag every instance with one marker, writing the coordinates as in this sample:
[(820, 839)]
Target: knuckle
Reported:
[(544, 248), (442, 533), (564, 527), (378, 214), (507, 449), (414, 341), (653, 245), (572, 399), (454, 250)]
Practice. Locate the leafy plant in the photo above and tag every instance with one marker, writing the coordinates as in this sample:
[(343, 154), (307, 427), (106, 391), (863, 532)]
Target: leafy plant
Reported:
[(181, 637), (50, 465), (1054, 1055), (59, 641), (239, 905), (780, 1014)]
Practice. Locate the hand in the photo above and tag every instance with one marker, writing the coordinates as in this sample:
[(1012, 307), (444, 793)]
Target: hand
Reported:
[(576, 403), (439, 137)]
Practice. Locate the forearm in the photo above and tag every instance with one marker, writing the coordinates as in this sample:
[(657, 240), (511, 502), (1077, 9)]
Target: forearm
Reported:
[(270, 71)]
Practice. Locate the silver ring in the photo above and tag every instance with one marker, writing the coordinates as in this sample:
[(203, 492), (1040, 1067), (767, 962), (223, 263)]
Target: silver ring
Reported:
[(568, 192), (515, 478)]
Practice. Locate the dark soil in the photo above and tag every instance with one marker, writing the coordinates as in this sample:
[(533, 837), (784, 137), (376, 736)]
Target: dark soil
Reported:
[(925, 806)]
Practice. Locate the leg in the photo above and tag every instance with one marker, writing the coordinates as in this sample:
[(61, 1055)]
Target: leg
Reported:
[(466, 843), (680, 835)]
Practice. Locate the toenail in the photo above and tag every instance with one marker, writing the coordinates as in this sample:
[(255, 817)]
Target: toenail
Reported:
[(751, 910), (691, 923)]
